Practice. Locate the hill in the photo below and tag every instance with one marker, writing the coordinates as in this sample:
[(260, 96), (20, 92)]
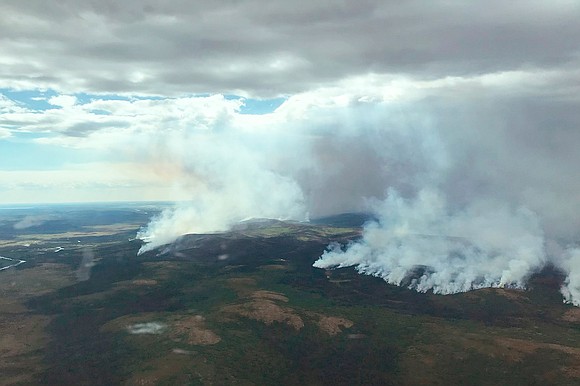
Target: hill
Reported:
[(246, 307)]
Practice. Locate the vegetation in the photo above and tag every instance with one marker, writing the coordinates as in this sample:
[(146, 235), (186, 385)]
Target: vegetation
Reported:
[(248, 308)]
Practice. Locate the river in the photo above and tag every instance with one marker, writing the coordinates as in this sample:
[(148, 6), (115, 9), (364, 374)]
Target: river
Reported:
[(16, 262)]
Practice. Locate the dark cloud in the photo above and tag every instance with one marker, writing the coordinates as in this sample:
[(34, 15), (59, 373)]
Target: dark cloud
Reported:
[(274, 48)]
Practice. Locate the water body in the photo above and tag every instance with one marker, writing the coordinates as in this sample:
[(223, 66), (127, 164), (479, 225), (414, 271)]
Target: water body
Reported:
[(16, 262)]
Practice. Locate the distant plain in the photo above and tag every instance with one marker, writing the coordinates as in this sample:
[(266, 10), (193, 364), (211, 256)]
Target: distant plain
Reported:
[(246, 307)]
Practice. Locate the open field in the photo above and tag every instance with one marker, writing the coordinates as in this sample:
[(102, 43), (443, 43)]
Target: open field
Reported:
[(247, 308)]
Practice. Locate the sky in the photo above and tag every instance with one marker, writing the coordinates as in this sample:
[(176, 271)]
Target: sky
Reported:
[(86, 86), (444, 118)]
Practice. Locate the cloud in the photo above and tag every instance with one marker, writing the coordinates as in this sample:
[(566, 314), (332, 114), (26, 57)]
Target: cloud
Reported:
[(5, 133), (130, 117), (9, 106), (63, 100), (279, 49)]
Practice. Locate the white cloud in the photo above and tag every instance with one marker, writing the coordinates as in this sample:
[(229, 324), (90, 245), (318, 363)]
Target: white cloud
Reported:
[(99, 118), (63, 101), (5, 133), (7, 105)]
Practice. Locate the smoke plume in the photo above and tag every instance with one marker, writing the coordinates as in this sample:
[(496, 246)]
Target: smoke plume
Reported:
[(571, 287), (230, 174), (468, 189), (483, 245), (83, 272)]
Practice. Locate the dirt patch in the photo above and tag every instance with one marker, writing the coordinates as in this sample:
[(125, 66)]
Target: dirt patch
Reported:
[(144, 282), (193, 329), (261, 306), (572, 372), (188, 328), (268, 312), (572, 315), (333, 325), (269, 295)]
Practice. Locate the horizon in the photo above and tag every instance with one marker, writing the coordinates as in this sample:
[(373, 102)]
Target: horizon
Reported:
[(64, 203)]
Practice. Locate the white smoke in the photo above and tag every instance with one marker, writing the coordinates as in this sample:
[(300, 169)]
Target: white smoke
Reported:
[(229, 176), (31, 221), (265, 195), (468, 190), (571, 287), (314, 164), (484, 245), (147, 328), (88, 261)]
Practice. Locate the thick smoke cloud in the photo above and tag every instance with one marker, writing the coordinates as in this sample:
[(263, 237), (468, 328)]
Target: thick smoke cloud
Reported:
[(483, 245), (482, 217), (236, 194), (470, 191), (229, 176), (293, 165), (571, 287)]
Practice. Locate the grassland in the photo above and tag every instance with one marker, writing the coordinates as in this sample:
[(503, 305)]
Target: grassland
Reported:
[(248, 308)]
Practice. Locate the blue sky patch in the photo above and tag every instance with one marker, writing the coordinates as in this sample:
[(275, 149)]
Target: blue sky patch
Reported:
[(258, 106)]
